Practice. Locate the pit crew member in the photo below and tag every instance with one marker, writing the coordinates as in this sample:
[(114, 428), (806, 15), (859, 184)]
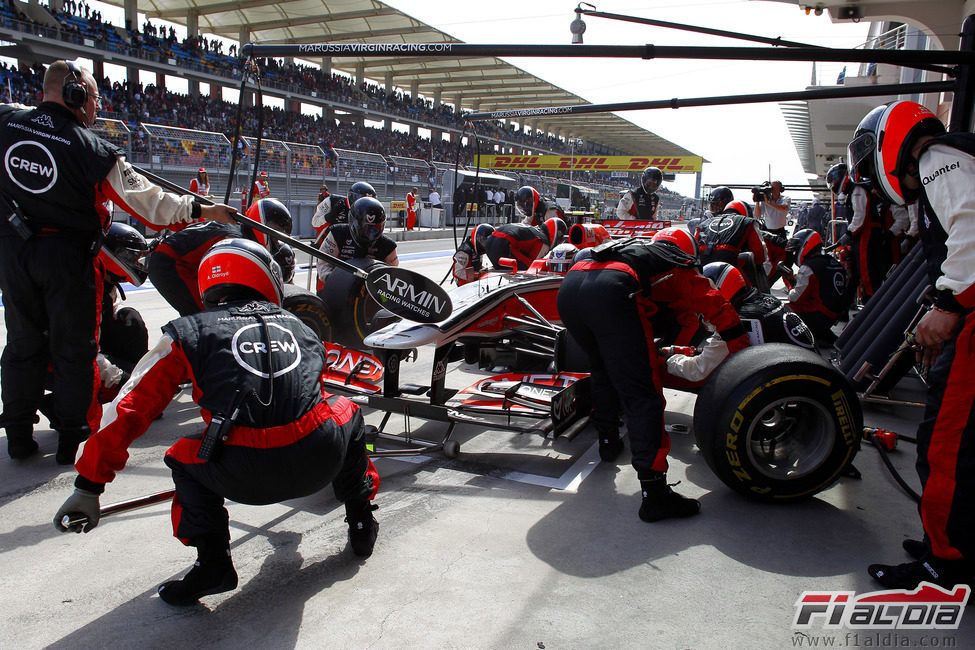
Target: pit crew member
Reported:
[(272, 433)]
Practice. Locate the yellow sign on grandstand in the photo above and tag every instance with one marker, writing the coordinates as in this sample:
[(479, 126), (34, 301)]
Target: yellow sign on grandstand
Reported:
[(677, 164)]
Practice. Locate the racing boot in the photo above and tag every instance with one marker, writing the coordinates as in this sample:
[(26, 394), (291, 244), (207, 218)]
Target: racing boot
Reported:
[(661, 502), (212, 573), (363, 527), (916, 548), (69, 439), (610, 445), (944, 573), (20, 441)]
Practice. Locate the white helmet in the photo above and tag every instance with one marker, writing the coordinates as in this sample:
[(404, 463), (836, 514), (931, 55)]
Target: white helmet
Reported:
[(560, 259)]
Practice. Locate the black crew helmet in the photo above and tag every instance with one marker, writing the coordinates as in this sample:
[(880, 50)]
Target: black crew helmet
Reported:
[(835, 177), (651, 178), (720, 197), (122, 254), (359, 190), (367, 219)]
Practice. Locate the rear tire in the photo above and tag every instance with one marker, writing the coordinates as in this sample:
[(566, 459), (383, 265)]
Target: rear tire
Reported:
[(776, 422)]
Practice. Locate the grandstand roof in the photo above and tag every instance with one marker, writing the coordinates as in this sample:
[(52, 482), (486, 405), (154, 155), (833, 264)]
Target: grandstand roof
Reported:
[(371, 21)]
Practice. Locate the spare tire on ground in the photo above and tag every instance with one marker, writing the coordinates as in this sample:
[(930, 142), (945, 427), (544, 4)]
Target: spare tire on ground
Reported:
[(776, 422)]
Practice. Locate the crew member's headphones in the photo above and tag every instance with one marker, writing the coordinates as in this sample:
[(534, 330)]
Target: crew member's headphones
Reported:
[(74, 92)]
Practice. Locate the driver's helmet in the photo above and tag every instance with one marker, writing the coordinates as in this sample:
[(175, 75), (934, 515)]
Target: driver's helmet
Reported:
[(561, 258)]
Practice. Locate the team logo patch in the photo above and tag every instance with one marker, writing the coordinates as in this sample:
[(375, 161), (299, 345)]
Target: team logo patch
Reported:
[(30, 165), (134, 180), (839, 282), (44, 120), (252, 349), (720, 224), (797, 330)]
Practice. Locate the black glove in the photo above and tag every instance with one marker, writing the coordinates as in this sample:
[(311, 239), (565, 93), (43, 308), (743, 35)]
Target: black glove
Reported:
[(846, 239), (907, 243), (80, 504)]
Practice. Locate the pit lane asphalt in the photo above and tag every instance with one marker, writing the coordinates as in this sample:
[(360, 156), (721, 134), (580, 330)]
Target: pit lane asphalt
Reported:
[(475, 552)]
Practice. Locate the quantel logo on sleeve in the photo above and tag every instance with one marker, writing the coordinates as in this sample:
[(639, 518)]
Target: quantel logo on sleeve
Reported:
[(950, 167)]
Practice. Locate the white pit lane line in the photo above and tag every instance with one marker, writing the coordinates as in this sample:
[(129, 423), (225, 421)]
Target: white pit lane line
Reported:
[(569, 482)]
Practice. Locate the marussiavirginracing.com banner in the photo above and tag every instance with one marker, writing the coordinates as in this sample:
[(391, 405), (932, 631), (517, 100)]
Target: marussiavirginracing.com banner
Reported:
[(674, 164)]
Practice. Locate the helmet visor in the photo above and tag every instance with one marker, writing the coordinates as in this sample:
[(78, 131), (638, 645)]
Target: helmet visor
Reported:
[(861, 148)]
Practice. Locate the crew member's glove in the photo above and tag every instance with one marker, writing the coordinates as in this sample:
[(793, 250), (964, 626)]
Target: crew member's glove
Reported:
[(907, 243), (738, 343), (80, 504), (846, 239)]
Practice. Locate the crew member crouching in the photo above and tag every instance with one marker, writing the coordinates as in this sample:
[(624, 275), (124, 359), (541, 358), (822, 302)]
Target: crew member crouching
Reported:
[(272, 433), (823, 292)]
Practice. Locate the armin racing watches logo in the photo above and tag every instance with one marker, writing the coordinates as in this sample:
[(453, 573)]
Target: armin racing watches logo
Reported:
[(928, 607)]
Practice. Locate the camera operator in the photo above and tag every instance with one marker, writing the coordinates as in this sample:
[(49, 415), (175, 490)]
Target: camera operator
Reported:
[(772, 206)]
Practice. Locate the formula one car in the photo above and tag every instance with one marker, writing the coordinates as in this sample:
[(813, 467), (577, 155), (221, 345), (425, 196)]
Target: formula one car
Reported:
[(775, 421)]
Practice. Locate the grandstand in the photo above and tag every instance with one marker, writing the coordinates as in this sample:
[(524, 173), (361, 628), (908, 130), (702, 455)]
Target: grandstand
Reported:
[(175, 134)]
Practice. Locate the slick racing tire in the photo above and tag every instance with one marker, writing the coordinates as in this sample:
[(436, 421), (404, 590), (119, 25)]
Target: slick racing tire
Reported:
[(776, 422), (309, 309)]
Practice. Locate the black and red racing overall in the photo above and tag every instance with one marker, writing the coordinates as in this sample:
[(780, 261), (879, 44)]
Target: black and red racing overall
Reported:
[(261, 358), (723, 237), (174, 262), (608, 305), (517, 241)]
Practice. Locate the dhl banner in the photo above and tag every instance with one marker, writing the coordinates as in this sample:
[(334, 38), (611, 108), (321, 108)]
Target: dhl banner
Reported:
[(676, 164)]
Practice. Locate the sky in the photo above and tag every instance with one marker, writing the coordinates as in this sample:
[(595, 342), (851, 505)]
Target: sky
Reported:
[(744, 144)]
